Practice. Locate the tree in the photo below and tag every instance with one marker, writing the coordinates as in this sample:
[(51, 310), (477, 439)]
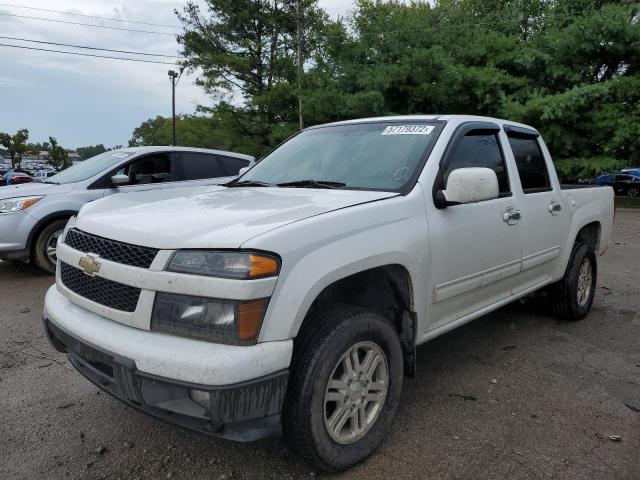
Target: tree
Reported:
[(90, 151), (246, 51), (569, 67), (58, 157), (15, 144)]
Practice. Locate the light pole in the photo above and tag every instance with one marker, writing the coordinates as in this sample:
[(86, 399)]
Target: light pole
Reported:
[(173, 75)]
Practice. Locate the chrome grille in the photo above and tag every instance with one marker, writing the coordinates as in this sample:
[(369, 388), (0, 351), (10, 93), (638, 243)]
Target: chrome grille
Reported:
[(115, 251), (100, 290)]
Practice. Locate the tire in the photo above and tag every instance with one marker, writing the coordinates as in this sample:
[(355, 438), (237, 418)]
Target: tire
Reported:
[(317, 355), (46, 239), (571, 298), (633, 191)]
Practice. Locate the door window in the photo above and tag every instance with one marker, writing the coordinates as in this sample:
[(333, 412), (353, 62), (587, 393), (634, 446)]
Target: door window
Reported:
[(532, 167), (480, 150), (196, 166), (623, 178), (155, 168)]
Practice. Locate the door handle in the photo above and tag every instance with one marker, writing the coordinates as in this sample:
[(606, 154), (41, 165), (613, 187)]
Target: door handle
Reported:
[(511, 216), (554, 207)]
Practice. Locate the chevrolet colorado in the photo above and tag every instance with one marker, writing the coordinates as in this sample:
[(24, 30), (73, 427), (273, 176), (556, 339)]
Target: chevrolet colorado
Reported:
[(292, 301)]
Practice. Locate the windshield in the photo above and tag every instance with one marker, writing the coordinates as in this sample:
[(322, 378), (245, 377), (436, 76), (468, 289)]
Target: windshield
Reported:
[(90, 167), (372, 156)]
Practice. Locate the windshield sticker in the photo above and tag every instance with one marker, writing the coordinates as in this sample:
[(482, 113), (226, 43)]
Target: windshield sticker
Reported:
[(408, 130)]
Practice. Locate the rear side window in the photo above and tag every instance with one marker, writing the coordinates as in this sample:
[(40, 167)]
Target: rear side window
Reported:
[(532, 167), (480, 150), (232, 166), (196, 166)]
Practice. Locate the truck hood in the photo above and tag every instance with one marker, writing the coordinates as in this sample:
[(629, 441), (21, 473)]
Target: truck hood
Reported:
[(223, 218), (31, 189)]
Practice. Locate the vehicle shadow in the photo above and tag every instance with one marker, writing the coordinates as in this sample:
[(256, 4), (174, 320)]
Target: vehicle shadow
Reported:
[(20, 270)]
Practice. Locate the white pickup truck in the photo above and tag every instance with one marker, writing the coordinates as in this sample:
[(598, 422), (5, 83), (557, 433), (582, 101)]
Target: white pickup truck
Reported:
[(293, 300)]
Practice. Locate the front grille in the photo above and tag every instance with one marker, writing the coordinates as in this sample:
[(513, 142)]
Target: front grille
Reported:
[(119, 252), (100, 290)]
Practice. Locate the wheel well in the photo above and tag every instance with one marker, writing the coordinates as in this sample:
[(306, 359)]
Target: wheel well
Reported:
[(42, 224), (589, 234), (385, 290)]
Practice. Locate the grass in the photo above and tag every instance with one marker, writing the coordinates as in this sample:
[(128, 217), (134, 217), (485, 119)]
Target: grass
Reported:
[(627, 202)]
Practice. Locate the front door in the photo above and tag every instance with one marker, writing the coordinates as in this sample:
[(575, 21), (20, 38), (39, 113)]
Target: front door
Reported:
[(475, 249)]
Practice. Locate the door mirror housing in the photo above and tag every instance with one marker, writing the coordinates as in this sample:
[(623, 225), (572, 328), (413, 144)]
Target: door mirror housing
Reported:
[(243, 170), (471, 185), (120, 179)]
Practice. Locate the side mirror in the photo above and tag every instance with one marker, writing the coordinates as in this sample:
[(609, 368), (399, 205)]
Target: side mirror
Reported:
[(120, 179), (471, 185), (243, 170)]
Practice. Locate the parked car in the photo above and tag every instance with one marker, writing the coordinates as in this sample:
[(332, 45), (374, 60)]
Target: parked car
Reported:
[(293, 300), (20, 178), (42, 175), (622, 184), (606, 179), (32, 217)]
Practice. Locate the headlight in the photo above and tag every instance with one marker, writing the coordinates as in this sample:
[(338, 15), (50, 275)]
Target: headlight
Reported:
[(9, 205), (228, 321), (226, 264)]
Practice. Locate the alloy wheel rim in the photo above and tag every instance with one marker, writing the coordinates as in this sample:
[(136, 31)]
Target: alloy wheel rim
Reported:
[(52, 245), (633, 192), (356, 392), (585, 278)]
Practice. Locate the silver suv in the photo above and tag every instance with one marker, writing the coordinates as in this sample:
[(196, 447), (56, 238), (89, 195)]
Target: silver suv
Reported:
[(32, 216)]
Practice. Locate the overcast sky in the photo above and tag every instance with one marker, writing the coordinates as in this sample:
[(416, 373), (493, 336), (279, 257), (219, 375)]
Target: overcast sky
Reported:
[(85, 101)]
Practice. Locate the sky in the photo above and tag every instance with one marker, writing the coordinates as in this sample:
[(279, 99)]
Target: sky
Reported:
[(86, 101)]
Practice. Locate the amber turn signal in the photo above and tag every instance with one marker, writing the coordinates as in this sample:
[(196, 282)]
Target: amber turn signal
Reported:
[(250, 315), (262, 266)]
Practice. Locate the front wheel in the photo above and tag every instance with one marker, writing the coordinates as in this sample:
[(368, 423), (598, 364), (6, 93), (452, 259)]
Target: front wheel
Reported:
[(633, 191), (46, 244), (345, 386), (572, 297)]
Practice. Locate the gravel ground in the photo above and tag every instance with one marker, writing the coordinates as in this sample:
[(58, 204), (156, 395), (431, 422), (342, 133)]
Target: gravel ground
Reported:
[(515, 394)]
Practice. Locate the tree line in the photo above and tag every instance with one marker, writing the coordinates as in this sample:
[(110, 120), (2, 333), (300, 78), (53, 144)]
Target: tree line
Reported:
[(569, 67), (16, 145)]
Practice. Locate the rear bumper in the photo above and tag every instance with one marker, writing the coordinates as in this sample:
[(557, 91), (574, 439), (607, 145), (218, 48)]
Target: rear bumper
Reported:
[(245, 411)]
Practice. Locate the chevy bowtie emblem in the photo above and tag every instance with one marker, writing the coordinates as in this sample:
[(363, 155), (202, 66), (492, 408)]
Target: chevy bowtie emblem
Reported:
[(89, 265)]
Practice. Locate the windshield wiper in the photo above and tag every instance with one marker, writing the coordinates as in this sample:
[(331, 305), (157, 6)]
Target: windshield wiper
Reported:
[(249, 183), (52, 183), (313, 184)]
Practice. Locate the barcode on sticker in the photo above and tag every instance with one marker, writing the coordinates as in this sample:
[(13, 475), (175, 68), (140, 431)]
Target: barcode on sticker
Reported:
[(408, 130)]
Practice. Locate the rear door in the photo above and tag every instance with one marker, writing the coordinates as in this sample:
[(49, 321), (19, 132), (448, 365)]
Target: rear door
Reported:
[(544, 221)]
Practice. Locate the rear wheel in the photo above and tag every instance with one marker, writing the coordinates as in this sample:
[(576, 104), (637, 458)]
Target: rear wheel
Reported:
[(345, 386), (572, 297), (633, 191), (46, 243)]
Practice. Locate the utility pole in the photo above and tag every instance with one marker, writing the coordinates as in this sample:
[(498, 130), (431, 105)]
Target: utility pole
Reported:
[(300, 40), (173, 75)]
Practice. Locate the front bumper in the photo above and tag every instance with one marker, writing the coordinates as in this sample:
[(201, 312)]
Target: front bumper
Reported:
[(229, 391), (15, 229), (245, 411)]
